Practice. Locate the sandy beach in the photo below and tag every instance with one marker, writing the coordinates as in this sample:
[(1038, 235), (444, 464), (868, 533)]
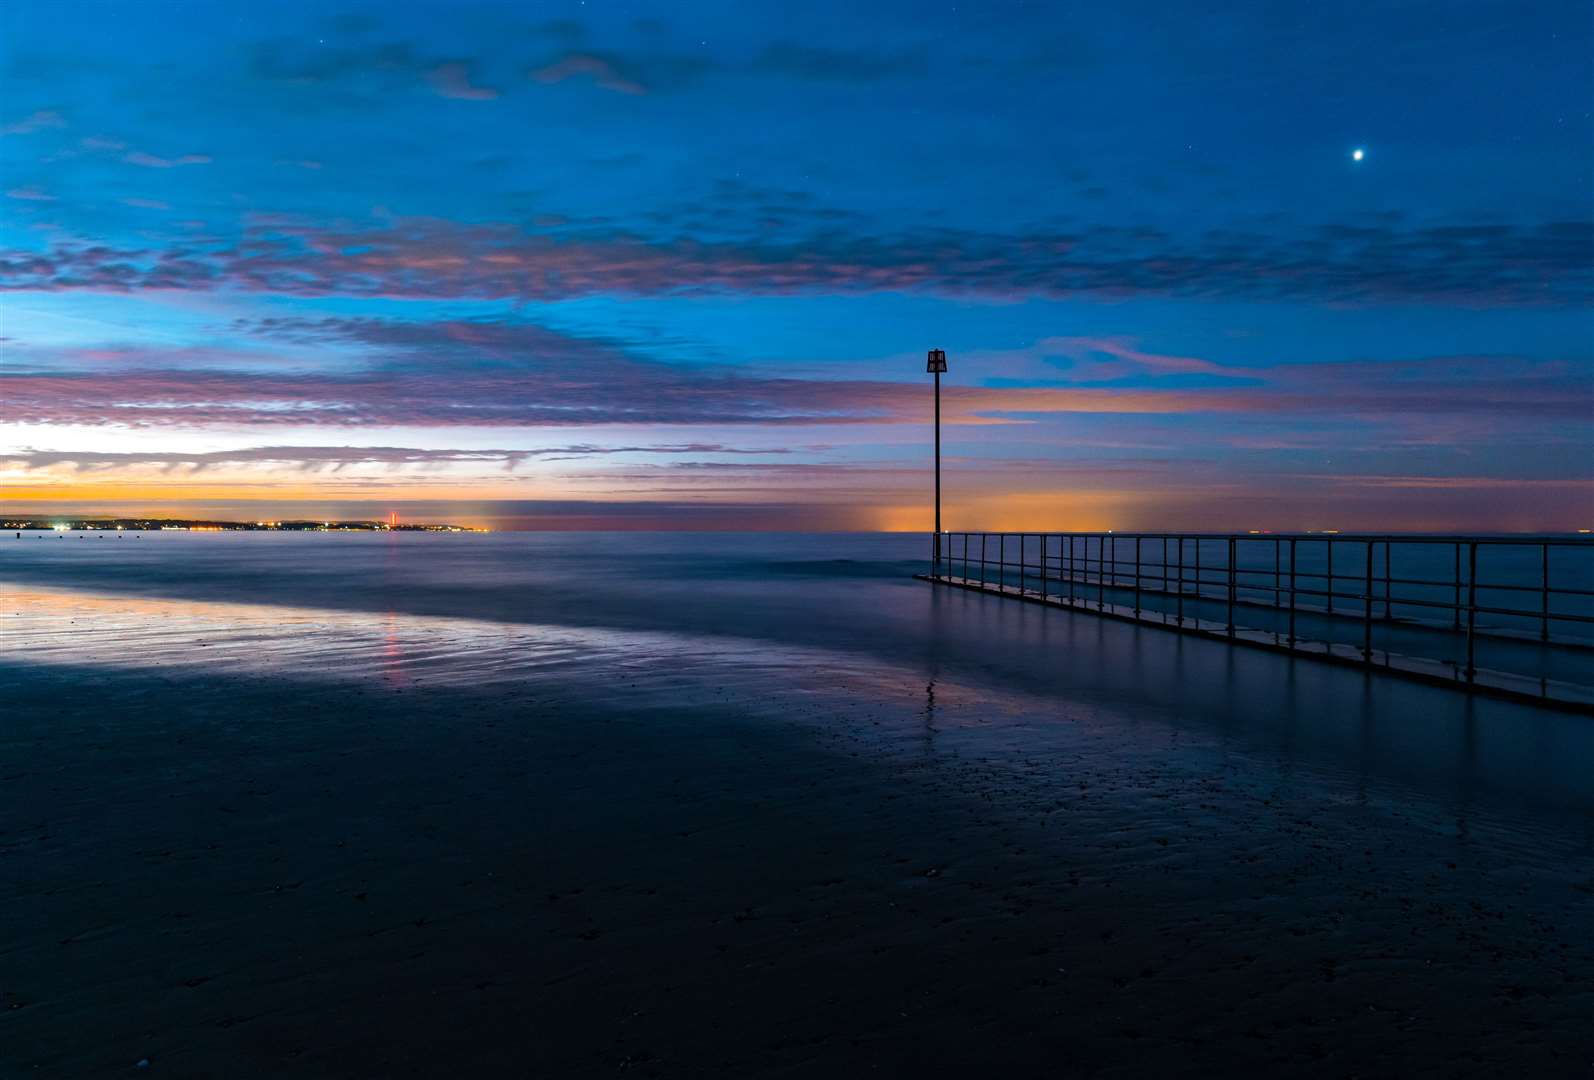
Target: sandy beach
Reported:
[(241, 840)]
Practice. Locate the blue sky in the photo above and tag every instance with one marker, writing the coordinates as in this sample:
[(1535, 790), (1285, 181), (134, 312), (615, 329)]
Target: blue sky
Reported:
[(511, 259)]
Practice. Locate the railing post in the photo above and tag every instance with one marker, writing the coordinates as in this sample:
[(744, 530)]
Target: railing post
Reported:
[(1001, 562), (1387, 560), (1292, 591), (1198, 576), (1544, 592), (1043, 567), (1275, 571), (1165, 564), (982, 559), (1472, 608), (1137, 576), (1231, 585), (1331, 576), (1101, 572), (1179, 607), (965, 558), (1367, 611), (1070, 569), (1456, 603)]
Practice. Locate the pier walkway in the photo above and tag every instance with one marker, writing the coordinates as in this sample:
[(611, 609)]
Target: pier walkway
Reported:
[(1506, 615)]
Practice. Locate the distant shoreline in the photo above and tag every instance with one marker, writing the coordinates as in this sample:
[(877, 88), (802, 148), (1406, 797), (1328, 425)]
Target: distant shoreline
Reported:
[(65, 524)]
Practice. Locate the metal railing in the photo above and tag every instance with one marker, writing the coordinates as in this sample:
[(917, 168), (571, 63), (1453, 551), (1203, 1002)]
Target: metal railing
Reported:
[(1437, 598)]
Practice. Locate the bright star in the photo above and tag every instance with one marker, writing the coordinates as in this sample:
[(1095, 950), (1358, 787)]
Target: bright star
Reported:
[(1357, 154)]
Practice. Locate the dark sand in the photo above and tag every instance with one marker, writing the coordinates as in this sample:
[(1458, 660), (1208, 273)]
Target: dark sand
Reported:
[(268, 863)]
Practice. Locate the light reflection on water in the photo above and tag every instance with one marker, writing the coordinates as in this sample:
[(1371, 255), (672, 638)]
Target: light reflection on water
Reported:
[(65, 627), (783, 627)]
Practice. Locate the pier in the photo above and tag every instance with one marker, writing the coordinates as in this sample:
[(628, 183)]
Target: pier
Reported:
[(1511, 616)]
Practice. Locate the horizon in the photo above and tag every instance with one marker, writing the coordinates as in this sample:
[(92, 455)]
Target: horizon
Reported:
[(590, 270), (47, 522)]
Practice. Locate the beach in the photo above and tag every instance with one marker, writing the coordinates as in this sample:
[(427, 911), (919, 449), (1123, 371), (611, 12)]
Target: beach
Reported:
[(682, 806)]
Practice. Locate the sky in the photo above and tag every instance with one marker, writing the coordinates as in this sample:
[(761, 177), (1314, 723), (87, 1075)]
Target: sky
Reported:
[(597, 265)]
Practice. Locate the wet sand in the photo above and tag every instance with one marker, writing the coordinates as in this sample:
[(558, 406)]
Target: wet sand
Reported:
[(290, 842)]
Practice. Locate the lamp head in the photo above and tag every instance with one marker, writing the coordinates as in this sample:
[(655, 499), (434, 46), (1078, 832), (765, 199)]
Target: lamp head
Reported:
[(936, 362)]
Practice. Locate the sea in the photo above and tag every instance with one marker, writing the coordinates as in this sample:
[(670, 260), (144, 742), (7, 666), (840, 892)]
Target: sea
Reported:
[(773, 618)]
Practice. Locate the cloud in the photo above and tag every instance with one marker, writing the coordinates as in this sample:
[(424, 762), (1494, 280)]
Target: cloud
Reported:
[(1095, 358), (30, 193), (150, 161), (366, 73), (146, 399), (483, 374), (146, 204), (452, 80), (338, 458), (599, 70), (352, 372), (1546, 264), (35, 121)]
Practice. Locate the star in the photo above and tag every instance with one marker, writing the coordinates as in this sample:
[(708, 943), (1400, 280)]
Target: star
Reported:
[(1357, 154)]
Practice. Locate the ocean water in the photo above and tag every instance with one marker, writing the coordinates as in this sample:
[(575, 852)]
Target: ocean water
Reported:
[(633, 618)]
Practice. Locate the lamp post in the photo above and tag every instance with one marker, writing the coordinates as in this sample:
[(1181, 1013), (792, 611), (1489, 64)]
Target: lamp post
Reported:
[(936, 365)]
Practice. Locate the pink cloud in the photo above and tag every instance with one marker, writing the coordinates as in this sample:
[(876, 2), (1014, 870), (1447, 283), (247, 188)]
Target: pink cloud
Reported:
[(36, 121), (452, 80), (432, 258), (30, 194), (147, 204), (596, 68), (150, 161), (495, 381), (1130, 360)]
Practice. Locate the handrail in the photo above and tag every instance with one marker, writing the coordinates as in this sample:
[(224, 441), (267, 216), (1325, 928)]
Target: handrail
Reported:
[(1530, 586)]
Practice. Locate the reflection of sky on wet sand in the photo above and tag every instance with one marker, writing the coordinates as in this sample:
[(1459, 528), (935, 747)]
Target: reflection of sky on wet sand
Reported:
[(1475, 770), (66, 627)]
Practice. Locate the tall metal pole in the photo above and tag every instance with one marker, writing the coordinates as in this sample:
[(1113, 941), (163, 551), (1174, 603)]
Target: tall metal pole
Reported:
[(935, 364)]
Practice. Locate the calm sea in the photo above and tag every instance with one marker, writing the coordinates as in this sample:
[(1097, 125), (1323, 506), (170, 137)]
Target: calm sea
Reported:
[(786, 625)]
